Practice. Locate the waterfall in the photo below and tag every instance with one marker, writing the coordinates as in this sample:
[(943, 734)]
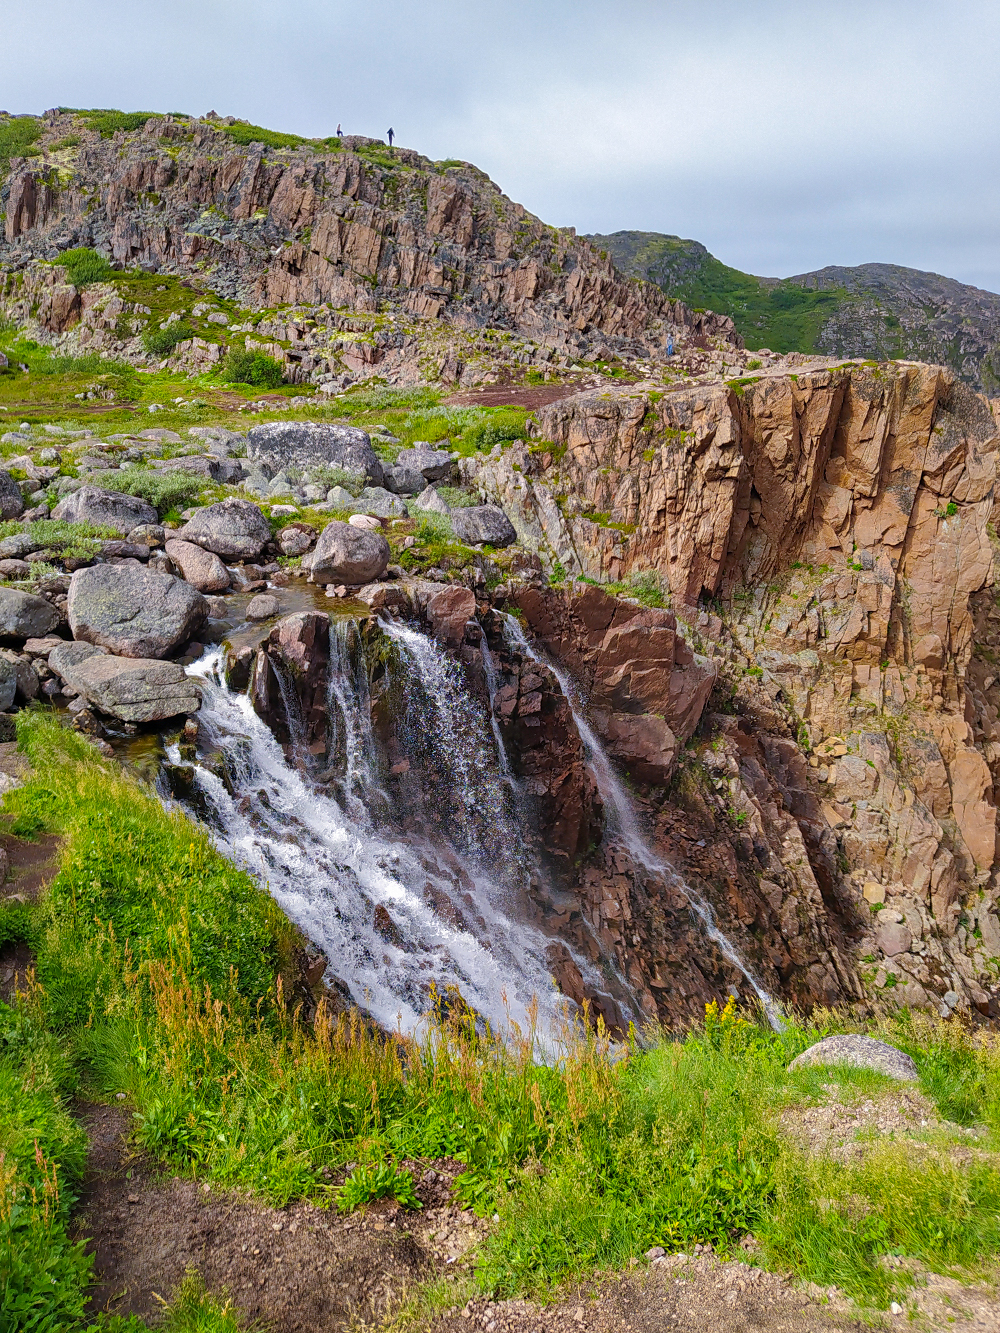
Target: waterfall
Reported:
[(625, 822), (395, 909)]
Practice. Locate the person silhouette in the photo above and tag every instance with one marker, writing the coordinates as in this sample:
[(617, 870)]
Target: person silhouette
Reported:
[(390, 136), (339, 134)]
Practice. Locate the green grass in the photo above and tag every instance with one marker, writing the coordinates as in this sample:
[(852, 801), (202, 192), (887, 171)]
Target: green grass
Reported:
[(244, 134), (164, 973), (60, 537), (110, 123), (163, 490), (161, 342), (257, 368), (84, 266), (18, 136)]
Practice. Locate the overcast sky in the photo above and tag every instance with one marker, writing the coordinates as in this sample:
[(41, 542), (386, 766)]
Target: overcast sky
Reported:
[(784, 134)]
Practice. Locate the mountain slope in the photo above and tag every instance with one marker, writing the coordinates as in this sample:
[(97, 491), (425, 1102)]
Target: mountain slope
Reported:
[(874, 310)]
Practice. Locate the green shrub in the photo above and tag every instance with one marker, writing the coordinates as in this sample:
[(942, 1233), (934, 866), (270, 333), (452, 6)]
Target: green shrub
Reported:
[(381, 1180), (161, 342), (84, 266), (503, 423), (18, 136), (244, 134), (163, 490), (257, 368), (109, 123)]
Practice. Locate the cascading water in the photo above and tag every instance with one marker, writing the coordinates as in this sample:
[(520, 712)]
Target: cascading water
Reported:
[(626, 824), (448, 887)]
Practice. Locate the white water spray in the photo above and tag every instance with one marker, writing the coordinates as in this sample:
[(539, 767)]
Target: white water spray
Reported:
[(626, 823)]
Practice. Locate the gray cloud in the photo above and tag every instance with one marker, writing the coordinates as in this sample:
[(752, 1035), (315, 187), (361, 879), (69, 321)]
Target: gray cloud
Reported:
[(785, 135)]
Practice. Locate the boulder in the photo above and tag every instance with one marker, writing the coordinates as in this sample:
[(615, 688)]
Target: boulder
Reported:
[(861, 1053), (235, 529), (430, 502), (25, 616), (147, 534), (109, 509), (306, 443), (483, 523), (449, 611), (262, 607), (211, 466), (367, 522), (14, 569), (380, 502), (26, 677), (432, 464), (8, 682), (11, 499), (402, 480), (345, 554), (296, 539), (202, 569), (133, 611), (132, 689)]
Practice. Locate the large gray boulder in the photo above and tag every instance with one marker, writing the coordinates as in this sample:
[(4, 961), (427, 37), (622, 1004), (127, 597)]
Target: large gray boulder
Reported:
[(483, 523), (345, 554), (108, 509), (25, 616), (235, 529), (851, 1048), (430, 502), (202, 569), (132, 689), (133, 611), (307, 443), (8, 682), (403, 480), (11, 499), (432, 464)]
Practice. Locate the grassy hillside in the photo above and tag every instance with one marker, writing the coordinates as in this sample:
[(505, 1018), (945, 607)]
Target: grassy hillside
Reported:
[(780, 315)]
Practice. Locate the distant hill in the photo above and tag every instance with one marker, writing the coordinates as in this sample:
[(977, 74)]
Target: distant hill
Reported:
[(876, 310)]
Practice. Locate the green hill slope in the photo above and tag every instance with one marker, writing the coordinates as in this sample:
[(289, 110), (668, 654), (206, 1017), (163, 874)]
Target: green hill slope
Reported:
[(878, 310)]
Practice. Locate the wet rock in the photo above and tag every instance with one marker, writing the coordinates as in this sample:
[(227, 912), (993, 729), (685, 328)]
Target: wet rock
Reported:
[(346, 554), (133, 611), (202, 569), (483, 523), (296, 539), (643, 742), (449, 611), (306, 443), (25, 616), (11, 499), (861, 1053), (131, 689), (262, 607), (110, 509), (235, 529), (386, 596)]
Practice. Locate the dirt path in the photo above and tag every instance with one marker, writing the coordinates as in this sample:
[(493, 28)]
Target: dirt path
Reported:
[(301, 1269)]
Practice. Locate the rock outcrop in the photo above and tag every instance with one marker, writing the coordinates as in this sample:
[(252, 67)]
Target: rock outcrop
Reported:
[(826, 540), (132, 611)]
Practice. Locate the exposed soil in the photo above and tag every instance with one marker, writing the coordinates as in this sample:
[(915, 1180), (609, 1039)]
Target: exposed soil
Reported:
[(514, 395), (302, 1269)]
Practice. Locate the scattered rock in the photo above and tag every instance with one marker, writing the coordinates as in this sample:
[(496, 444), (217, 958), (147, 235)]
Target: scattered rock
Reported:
[(131, 689), (262, 607), (109, 509), (15, 569), (235, 529), (380, 502), (296, 539), (366, 522), (483, 523), (346, 554), (11, 499), (431, 502), (132, 611), (202, 569), (25, 616), (404, 480), (431, 464), (147, 534), (860, 1052)]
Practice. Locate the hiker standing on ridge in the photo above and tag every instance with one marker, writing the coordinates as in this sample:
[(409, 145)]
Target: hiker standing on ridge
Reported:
[(390, 136), (339, 135)]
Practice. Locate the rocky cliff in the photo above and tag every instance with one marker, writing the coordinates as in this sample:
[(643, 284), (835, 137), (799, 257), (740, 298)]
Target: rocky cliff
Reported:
[(346, 225), (826, 541)]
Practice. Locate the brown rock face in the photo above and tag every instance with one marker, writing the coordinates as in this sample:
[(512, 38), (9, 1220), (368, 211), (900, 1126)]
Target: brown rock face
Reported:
[(825, 541), (347, 229)]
